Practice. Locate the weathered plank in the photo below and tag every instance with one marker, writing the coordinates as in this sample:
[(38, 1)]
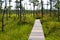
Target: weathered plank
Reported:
[(37, 31)]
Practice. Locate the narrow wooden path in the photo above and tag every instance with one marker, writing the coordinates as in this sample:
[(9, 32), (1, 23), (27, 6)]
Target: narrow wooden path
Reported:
[(37, 31)]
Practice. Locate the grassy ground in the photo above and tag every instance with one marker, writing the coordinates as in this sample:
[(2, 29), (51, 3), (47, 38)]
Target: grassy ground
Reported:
[(15, 30), (51, 27)]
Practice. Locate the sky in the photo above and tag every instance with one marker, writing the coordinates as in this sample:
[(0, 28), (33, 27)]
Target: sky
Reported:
[(26, 3)]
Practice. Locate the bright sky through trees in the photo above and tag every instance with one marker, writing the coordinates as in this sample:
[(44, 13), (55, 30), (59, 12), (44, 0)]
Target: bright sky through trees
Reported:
[(26, 3)]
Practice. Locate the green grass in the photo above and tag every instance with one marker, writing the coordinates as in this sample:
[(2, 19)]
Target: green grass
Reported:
[(15, 30), (51, 27)]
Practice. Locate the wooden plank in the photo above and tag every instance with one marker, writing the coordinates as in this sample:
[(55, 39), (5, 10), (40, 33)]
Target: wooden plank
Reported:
[(37, 31)]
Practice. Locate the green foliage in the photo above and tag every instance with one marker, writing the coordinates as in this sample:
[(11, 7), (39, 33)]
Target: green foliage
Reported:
[(57, 5), (13, 31), (51, 28)]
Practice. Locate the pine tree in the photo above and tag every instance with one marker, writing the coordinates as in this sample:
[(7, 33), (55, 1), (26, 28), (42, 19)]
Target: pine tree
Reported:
[(2, 16), (34, 4), (9, 8)]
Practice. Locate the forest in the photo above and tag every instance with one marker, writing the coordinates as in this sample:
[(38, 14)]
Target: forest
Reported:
[(16, 24)]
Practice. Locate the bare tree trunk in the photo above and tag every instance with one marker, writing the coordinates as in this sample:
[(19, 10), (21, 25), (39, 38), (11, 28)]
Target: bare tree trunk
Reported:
[(42, 7), (9, 9), (20, 10), (33, 10), (50, 7), (3, 21), (6, 9), (58, 11)]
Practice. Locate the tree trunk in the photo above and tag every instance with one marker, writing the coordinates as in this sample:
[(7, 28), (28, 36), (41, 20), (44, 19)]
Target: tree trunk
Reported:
[(3, 21), (33, 10), (50, 7), (9, 10), (42, 8), (20, 10)]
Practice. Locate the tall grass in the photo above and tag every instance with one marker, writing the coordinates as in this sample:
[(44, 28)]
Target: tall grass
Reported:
[(15, 31), (51, 27)]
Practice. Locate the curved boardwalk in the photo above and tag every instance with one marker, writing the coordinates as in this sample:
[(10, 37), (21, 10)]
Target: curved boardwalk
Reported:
[(37, 31)]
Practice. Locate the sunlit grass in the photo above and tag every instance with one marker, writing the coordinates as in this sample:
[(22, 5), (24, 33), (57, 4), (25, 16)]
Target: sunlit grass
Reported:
[(51, 27), (15, 31)]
